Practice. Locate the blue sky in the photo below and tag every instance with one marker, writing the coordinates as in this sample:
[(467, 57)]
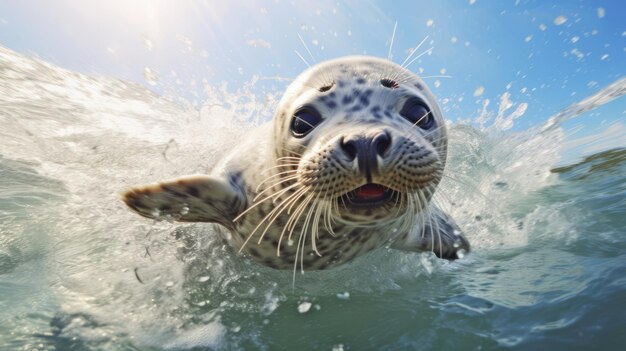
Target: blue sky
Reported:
[(548, 54)]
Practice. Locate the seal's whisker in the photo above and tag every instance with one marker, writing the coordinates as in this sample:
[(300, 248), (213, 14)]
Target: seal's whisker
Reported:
[(296, 218), (274, 196), (293, 165), (291, 151), (275, 213), (303, 234), (307, 48), (265, 199), (302, 58), (421, 118), (328, 218), (277, 208), (295, 262), (326, 205), (271, 182), (305, 228), (418, 56), (393, 35), (307, 123), (316, 225), (414, 51), (427, 77), (290, 222), (281, 180), (290, 158)]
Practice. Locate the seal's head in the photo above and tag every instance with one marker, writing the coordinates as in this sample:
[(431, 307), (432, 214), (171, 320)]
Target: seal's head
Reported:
[(363, 136)]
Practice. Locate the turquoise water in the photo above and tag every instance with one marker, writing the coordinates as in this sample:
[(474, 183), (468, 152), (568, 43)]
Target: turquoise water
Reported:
[(80, 272)]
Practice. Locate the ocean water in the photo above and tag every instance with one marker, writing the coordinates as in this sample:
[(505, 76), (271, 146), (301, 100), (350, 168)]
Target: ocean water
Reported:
[(78, 271)]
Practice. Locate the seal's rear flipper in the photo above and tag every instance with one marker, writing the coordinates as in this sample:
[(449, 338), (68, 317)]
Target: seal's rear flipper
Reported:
[(189, 199), (440, 234)]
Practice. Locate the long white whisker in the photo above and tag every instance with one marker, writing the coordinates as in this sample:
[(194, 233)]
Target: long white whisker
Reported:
[(265, 199), (393, 35), (302, 58), (292, 220), (277, 208), (414, 51), (306, 47), (418, 56), (275, 176)]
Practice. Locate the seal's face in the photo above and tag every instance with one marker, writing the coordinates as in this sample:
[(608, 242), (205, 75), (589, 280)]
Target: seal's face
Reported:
[(364, 137)]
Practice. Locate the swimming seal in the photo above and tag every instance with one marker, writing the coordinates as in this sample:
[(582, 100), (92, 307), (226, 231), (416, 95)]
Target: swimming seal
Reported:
[(349, 164)]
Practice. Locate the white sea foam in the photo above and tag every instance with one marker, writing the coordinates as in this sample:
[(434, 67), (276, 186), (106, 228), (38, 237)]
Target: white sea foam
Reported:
[(114, 276)]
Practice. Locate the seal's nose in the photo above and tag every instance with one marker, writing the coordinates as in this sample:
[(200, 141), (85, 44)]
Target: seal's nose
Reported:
[(366, 149), (381, 143)]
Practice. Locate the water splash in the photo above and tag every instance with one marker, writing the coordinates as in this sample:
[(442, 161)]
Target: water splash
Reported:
[(107, 278)]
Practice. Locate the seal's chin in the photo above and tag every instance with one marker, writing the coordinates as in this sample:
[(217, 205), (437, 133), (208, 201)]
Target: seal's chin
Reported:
[(368, 196)]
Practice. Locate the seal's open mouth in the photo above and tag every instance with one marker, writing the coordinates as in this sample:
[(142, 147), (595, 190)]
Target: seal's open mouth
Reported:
[(368, 195)]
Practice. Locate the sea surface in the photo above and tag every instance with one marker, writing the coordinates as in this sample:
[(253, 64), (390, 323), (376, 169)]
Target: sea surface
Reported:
[(78, 271)]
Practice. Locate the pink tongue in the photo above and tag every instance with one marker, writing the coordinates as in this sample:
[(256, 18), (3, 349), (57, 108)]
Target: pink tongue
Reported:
[(370, 191)]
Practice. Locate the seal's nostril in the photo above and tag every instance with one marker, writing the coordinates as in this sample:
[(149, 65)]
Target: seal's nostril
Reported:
[(381, 143), (349, 148)]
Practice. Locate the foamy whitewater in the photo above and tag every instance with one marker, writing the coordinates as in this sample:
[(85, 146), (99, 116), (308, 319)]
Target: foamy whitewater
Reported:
[(79, 271)]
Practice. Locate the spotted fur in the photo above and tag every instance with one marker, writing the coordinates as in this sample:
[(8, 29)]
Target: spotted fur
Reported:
[(285, 198)]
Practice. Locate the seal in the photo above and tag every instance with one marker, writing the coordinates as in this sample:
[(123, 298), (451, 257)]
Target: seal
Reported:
[(349, 163)]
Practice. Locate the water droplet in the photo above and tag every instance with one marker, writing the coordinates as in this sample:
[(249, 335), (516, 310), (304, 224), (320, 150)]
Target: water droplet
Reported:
[(150, 76), (559, 20), (479, 91), (147, 42), (338, 347), (343, 295), (426, 263), (184, 210), (461, 253), (169, 284), (304, 307), (203, 279), (430, 23)]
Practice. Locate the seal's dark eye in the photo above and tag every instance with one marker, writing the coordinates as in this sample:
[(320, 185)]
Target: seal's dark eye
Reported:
[(304, 121), (418, 114)]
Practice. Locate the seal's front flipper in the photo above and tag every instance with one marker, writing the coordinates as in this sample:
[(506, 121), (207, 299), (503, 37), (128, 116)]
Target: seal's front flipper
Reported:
[(189, 199), (440, 234)]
